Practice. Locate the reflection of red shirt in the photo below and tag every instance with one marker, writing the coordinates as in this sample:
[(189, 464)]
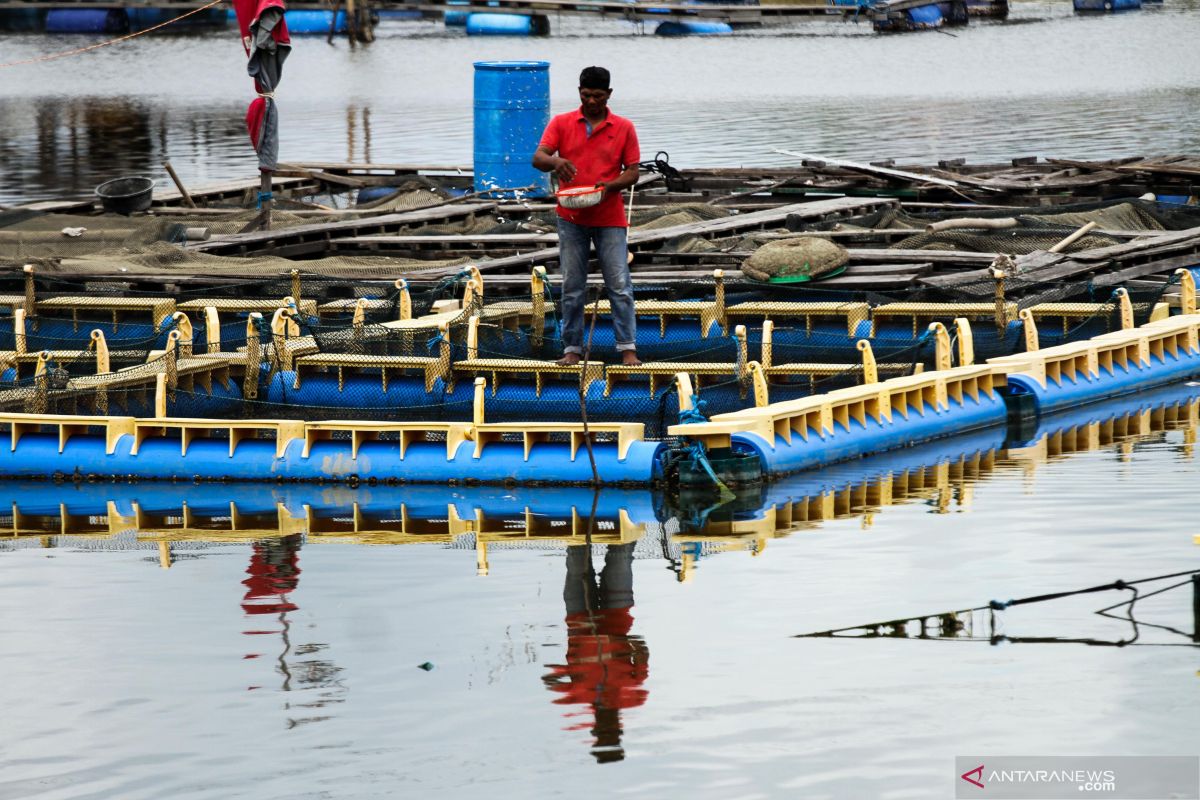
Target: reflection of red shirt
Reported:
[(611, 148), (605, 667), (273, 573)]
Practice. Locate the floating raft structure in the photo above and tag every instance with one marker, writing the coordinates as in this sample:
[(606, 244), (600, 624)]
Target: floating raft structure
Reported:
[(278, 450), (899, 412), (783, 437)]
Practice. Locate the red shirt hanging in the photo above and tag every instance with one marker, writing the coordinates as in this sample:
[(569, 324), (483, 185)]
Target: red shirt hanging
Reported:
[(602, 156), (248, 12)]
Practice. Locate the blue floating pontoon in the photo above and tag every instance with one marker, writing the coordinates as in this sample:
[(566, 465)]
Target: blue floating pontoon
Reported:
[(854, 439), (692, 28), (492, 24), (86, 20), (312, 23), (1107, 5)]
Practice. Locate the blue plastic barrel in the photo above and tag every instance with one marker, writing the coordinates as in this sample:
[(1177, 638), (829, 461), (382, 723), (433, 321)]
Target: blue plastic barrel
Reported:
[(142, 18), (86, 20), (512, 109), (456, 19), (1107, 5), (687, 28), (301, 23), (507, 25), (924, 16)]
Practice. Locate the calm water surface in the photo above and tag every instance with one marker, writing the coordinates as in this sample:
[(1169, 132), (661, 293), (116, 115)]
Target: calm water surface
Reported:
[(313, 666), (1047, 82)]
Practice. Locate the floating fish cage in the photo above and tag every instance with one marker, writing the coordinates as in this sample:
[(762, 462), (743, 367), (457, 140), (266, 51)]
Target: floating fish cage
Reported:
[(458, 413)]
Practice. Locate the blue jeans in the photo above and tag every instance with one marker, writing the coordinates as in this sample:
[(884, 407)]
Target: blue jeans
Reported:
[(574, 243)]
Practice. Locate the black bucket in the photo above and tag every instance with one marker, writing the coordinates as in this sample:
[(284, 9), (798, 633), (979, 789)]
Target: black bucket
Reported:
[(125, 195)]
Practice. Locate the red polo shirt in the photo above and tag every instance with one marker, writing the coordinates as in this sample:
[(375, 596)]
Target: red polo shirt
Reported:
[(612, 146)]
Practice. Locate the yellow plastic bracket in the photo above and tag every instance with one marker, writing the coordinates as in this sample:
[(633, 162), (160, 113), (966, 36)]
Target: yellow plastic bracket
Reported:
[(183, 325), (1187, 291), (1031, 331), (212, 328), (942, 340), (473, 337), (966, 342), (870, 369), (101, 347), (761, 392), (404, 303), (1126, 309), (765, 355)]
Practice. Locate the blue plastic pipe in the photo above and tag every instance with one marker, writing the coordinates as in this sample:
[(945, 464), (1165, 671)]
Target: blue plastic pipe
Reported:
[(160, 458), (820, 449), (1121, 380)]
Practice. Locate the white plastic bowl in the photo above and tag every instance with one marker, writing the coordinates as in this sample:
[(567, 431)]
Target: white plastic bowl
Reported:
[(580, 196)]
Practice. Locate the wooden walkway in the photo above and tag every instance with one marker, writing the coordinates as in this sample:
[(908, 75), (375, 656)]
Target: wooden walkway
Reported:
[(647, 240), (313, 239), (1105, 266)]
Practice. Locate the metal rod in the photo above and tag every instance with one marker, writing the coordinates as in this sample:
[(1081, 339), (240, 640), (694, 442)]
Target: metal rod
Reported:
[(264, 188)]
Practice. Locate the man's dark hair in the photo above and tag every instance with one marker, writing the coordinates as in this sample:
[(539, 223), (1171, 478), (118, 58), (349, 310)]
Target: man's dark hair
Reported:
[(594, 78)]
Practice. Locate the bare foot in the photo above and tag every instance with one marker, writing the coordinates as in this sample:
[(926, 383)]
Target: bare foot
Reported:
[(629, 358), (569, 360)]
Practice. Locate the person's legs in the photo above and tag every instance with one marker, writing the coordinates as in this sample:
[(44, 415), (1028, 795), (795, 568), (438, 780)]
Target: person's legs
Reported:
[(611, 250), (579, 589), (616, 579), (573, 246)]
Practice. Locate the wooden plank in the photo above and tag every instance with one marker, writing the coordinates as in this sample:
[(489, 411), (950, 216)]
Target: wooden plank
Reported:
[(354, 166), (873, 170), (314, 238), (1153, 244)]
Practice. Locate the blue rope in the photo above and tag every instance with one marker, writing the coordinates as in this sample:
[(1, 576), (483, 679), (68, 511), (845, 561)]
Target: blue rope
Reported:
[(263, 197), (434, 342), (695, 413), (699, 458)]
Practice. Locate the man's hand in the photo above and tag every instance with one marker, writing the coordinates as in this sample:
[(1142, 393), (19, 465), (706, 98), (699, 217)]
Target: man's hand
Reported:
[(545, 160), (564, 170)]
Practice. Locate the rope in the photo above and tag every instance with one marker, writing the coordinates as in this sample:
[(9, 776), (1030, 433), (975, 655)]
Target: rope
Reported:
[(78, 50), (693, 414), (999, 605), (662, 165)]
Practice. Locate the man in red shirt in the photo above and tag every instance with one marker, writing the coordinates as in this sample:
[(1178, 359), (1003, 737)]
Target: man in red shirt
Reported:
[(592, 146)]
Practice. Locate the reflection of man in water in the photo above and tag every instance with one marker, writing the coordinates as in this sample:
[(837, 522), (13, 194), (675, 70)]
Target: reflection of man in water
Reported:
[(274, 571), (605, 667)]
